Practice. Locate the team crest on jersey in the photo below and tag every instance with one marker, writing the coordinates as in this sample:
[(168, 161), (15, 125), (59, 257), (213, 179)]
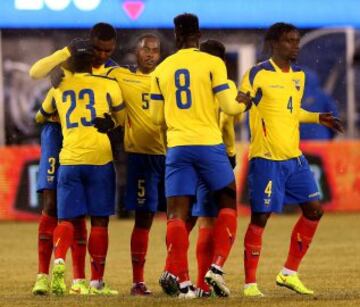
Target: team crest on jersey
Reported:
[(297, 84), (50, 179)]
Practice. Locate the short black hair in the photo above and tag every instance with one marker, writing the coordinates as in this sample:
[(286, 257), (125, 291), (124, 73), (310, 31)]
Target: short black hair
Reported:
[(81, 63), (146, 35), (103, 31), (213, 47), (275, 31), (186, 24)]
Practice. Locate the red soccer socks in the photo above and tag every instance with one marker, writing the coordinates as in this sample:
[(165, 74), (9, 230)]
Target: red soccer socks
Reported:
[(224, 235), (204, 255), (63, 238), (301, 237), (78, 248), (46, 229), (98, 246), (177, 243), (252, 248), (139, 245)]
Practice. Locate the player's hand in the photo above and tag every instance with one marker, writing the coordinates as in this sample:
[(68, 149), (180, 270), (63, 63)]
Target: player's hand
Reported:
[(80, 46), (331, 122), (56, 76), (104, 124), (245, 99)]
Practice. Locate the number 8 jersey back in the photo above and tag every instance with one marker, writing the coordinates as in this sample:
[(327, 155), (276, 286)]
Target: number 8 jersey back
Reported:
[(186, 82)]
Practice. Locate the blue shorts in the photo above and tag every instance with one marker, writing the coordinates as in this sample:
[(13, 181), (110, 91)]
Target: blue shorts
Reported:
[(275, 183), (86, 190), (205, 205), (145, 178), (51, 143), (186, 165)]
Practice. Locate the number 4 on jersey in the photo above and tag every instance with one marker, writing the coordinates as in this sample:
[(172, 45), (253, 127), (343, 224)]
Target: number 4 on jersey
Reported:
[(290, 105)]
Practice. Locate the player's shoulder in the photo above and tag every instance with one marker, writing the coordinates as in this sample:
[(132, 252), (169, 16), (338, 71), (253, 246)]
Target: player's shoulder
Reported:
[(102, 78), (122, 70), (257, 69)]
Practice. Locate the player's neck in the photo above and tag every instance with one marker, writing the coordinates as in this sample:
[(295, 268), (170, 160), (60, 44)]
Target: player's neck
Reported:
[(283, 64), (145, 71), (190, 44)]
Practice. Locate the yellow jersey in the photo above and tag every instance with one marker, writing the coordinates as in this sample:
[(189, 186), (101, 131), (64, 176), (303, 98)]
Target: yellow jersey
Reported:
[(276, 111), (141, 134), (78, 100), (186, 83)]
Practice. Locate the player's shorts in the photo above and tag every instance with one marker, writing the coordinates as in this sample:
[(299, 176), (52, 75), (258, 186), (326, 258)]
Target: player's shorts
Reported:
[(86, 190), (275, 183), (186, 165), (51, 143), (145, 181), (205, 205)]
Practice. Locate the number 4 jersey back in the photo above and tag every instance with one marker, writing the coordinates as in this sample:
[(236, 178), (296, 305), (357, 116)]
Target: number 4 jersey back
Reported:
[(187, 83), (79, 99), (274, 116)]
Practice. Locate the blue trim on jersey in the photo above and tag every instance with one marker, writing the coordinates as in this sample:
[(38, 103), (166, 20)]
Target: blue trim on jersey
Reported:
[(43, 112), (220, 88), (258, 96), (131, 67), (118, 108), (111, 63), (264, 65), (295, 68), (157, 97)]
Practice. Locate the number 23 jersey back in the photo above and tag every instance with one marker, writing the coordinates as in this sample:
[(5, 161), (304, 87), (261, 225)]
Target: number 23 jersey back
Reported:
[(78, 100), (186, 82), (274, 116)]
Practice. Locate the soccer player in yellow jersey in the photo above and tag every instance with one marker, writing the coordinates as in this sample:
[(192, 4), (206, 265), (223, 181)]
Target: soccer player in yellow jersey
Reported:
[(278, 172), (205, 208), (145, 144), (86, 184), (103, 39), (183, 91)]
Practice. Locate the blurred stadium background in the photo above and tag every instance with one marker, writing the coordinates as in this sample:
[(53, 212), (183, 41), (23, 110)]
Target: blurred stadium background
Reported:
[(330, 49)]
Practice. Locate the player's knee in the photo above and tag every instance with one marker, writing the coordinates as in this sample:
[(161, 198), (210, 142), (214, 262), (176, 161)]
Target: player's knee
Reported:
[(314, 213), (226, 197)]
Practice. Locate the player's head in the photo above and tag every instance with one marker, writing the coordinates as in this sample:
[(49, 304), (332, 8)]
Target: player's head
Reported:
[(147, 52), (82, 62), (213, 47), (282, 40), (187, 32), (103, 39)]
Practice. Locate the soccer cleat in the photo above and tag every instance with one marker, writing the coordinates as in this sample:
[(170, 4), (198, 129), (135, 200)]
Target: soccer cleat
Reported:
[(104, 290), (201, 293), (140, 289), (58, 286), (187, 292), (42, 285), (79, 288), (292, 282), (252, 291), (214, 278), (169, 283)]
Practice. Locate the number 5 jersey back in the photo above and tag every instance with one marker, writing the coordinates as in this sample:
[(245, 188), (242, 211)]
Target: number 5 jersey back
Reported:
[(186, 82), (79, 99)]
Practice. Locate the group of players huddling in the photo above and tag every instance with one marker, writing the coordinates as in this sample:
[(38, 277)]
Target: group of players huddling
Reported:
[(176, 117)]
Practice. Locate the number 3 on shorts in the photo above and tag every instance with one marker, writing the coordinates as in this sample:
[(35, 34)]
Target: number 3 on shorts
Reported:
[(268, 189)]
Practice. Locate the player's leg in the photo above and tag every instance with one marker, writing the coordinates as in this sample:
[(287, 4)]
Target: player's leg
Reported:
[(180, 185), (143, 176), (266, 192), (205, 210), (302, 189), (217, 173), (100, 196), (50, 147)]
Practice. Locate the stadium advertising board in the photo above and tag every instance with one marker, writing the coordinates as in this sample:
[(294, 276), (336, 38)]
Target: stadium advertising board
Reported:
[(159, 13)]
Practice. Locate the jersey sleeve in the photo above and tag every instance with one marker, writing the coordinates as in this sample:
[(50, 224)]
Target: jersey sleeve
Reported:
[(219, 76), (156, 100), (116, 104), (246, 86), (48, 107), (42, 68), (308, 117)]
